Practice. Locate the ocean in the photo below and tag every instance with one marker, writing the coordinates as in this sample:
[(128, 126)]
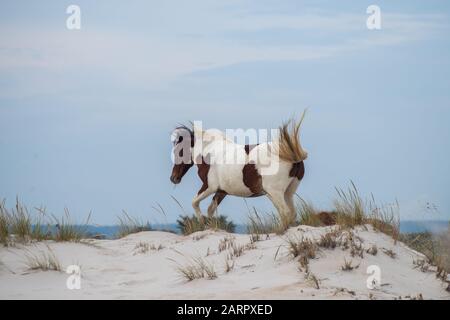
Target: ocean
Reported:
[(406, 226)]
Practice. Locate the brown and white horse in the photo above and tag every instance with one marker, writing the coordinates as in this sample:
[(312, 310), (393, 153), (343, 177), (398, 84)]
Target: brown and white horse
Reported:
[(248, 174)]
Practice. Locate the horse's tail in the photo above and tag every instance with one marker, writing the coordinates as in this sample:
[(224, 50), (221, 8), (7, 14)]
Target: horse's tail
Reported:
[(289, 146)]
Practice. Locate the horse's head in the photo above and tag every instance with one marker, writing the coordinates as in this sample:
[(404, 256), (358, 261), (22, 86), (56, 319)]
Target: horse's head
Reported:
[(183, 142)]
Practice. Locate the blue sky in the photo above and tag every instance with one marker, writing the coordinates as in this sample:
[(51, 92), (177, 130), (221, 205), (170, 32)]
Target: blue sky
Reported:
[(85, 116)]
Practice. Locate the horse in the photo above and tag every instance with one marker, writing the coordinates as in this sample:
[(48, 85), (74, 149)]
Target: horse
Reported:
[(210, 149)]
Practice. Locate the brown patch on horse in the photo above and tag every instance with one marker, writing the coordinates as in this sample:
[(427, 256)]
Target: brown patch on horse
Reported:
[(327, 218), (218, 197), (297, 170), (249, 147), (252, 179), (203, 169)]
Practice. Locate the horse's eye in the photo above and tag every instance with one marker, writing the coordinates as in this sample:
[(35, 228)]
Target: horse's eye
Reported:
[(180, 139)]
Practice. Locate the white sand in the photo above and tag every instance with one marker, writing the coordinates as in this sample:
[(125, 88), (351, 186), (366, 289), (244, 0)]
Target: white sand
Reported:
[(113, 269)]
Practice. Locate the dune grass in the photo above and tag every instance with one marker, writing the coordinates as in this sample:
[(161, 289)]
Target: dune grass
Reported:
[(19, 225), (229, 265), (328, 240), (4, 224), (385, 218), (44, 260), (302, 246), (263, 224), (129, 225), (190, 224), (435, 247), (66, 230), (352, 210), (350, 207), (307, 214), (349, 210), (303, 249), (348, 265), (373, 250), (144, 247), (197, 268)]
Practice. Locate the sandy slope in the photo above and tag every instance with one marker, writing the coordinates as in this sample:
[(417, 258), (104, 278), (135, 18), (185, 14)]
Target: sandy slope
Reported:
[(115, 269)]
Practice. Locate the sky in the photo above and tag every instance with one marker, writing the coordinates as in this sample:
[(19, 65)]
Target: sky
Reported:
[(86, 115)]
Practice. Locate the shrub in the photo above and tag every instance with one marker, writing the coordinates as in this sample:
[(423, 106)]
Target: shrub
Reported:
[(190, 224)]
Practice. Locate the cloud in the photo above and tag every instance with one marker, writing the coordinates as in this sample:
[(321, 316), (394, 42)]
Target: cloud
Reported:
[(160, 55)]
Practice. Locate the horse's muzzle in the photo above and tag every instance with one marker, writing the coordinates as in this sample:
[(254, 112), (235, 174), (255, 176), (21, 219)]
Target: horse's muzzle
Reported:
[(175, 180)]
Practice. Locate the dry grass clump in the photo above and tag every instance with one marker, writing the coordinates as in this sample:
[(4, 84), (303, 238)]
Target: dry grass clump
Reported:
[(197, 268), (385, 218), (262, 225), (43, 260), (156, 248), (350, 207), (311, 278), (229, 265), (422, 265), (372, 250), (234, 250), (357, 250), (66, 230), (348, 265), (226, 243), (307, 214), (390, 253), (435, 247), (350, 292), (352, 210), (18, 225), (303, 246), (129, 225), (304, 249), (329, 240), (190, 224), (4, 224), (423, 242), (144, 247)]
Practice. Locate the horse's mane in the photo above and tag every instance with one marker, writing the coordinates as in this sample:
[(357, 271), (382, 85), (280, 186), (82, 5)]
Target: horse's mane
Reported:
[(209, 135), (182, 126)]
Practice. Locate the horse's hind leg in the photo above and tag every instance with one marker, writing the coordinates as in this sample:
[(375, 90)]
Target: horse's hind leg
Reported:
[(217, 199), (282, 207), (289, 197)]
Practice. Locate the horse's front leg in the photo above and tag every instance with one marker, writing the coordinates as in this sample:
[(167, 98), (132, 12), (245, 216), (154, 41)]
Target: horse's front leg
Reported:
[(202, 194), (217, 199)]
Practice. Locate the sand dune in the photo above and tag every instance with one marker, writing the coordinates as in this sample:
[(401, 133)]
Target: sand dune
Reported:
[(144, 266)]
